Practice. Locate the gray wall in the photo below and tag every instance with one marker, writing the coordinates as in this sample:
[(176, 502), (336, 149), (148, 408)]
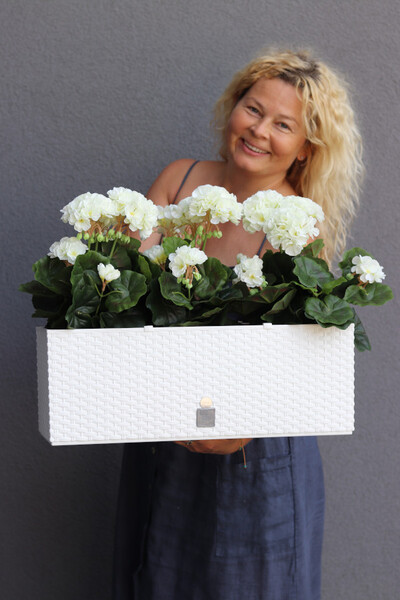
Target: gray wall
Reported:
[(97, 93)]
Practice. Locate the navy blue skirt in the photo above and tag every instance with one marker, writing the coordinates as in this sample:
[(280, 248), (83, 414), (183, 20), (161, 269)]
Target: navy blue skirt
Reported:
[(202, 527)]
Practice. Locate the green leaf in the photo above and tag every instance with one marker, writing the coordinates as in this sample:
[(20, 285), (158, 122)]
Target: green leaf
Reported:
[(120, 258), (172, 290), (312, 272), (372, 294), (133, 244), (331, 310), (277, 266), (361, 340), (281, 305), (170, 244), (164, 313), (214, 276), (125, 291), (271, 293), (35, 288), (88, 263), (133, 317), (328, 287), (53, 274), (346, 262), (85, 300), (144, 267), (313, 248)]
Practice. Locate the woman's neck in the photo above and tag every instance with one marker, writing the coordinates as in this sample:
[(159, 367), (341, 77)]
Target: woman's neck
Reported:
[(244, 185)]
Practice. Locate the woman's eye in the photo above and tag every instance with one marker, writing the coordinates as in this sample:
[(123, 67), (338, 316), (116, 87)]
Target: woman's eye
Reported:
[(284, 126), (253, 109)]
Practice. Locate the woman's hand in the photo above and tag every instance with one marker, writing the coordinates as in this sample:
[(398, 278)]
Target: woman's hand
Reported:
[(214, 446)]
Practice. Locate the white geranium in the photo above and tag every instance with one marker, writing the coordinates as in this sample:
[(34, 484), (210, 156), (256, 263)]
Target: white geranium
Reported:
[(369, 270), (139, 212), (171, 217), (311, 208), (156, 254), (88, 208), (290, 228), (217, 202), (249, 270), (185, 257), (107, 273), (287, 221), (258, 210), (68, 248)]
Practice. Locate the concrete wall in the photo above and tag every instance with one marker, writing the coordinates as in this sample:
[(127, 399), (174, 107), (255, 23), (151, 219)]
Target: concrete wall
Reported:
[(98, 93)]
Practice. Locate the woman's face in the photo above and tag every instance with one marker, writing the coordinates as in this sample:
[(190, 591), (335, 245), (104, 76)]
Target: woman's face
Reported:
[(265, 132)]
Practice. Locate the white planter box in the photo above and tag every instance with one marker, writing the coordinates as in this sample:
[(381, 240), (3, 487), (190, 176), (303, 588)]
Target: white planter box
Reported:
[(137, 385)]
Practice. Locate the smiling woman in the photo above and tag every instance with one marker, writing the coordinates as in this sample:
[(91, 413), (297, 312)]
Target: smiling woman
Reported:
[(194, 521)]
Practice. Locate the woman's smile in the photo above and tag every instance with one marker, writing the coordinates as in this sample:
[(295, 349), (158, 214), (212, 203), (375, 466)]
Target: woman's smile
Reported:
[(253, 149)]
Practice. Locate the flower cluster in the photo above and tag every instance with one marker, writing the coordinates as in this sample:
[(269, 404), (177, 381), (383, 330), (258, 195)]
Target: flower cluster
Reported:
[(183, 263), (201, 213), (97, 213), (139, 212), (249, 270), (369, 270), (288, 221), (87, 209), (67, 249)]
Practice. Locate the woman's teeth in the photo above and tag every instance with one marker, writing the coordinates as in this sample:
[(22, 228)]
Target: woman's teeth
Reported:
[(254, 149)]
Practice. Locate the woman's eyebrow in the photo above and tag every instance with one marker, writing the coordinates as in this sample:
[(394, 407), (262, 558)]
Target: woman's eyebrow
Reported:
[(280, 116)]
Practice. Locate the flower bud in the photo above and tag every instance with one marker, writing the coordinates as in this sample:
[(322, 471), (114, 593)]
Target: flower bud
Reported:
[(86, 236), (79, 236), (100, 237), (118, 235), (196, 275)]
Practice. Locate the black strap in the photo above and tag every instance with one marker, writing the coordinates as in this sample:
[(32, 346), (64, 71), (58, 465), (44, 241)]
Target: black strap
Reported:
[(184, 179)]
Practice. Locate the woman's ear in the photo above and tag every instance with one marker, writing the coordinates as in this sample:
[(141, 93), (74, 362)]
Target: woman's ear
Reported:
[(304, 153)]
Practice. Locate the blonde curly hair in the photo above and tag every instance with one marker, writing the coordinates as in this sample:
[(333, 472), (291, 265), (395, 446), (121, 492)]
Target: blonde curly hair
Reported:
[(331, 174)]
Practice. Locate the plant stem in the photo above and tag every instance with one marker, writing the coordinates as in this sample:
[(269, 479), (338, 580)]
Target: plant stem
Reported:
[(113, 248)]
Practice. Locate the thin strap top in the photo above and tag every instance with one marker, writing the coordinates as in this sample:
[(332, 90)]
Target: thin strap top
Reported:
[(184, 179), (262, 244), (183, 183)]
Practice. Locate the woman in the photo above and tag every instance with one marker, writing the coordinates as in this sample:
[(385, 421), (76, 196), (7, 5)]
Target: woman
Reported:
[(193, 524)]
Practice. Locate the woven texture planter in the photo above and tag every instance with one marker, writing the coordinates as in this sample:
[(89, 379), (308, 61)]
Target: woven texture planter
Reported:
[(147, 384)]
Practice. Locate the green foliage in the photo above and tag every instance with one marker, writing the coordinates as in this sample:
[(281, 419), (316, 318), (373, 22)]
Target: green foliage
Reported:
[(299, 289)]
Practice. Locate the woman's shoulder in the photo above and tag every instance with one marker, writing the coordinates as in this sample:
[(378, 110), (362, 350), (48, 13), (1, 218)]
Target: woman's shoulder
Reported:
[(164, 189)]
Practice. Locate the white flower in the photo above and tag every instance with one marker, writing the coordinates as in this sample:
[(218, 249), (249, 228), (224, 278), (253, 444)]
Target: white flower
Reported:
[(107, 273), (139, 212), (311, 208), (171, 217), (258, 210), (68, 248), (249, 270), (87, 208), (290, 228), (218, 202), (185, 257), (368, 268), (287, 221), (156, 254)]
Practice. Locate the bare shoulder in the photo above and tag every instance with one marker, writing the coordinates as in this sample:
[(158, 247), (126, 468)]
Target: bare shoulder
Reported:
[(164, 188)]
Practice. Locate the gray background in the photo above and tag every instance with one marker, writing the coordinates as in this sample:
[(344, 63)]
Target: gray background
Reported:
[(103, 93)]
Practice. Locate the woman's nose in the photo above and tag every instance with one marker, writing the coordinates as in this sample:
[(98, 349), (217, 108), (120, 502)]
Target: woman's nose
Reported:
[(261, 129)]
